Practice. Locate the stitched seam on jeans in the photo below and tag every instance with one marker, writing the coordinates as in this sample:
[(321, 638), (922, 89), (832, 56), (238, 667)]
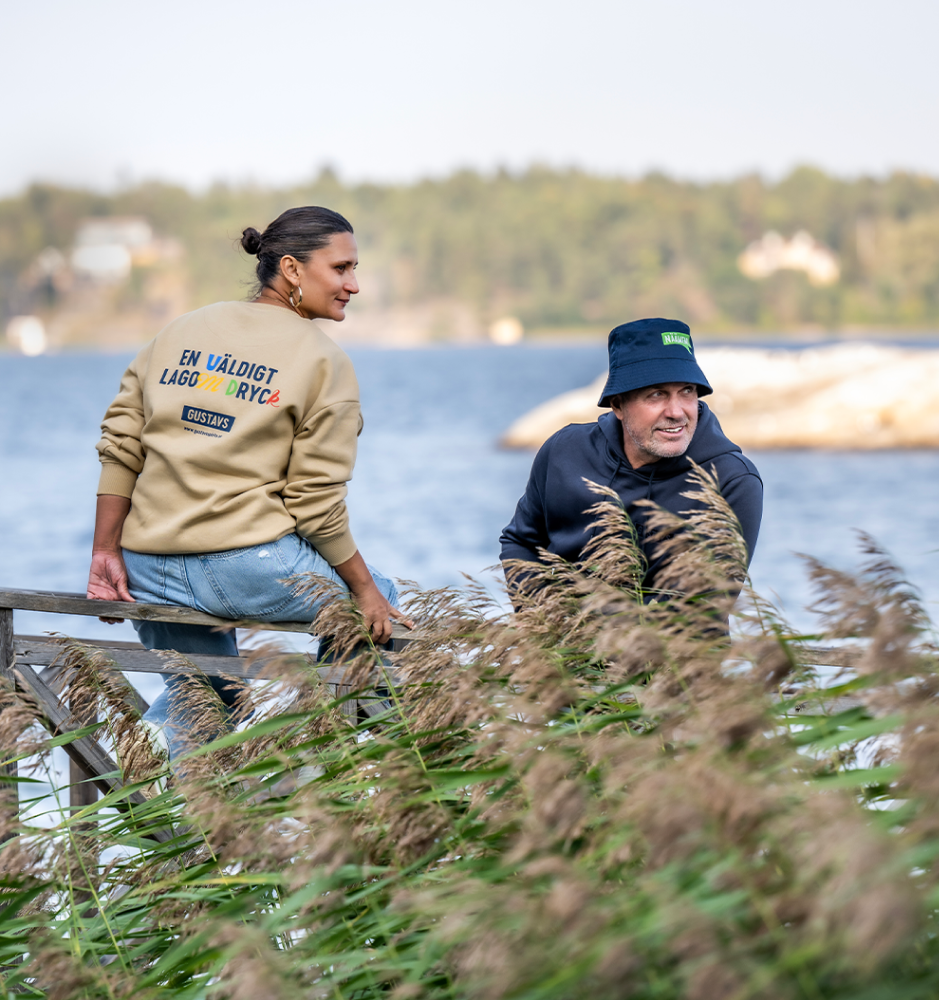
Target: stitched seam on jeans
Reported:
[(231, 553), (184, 574), (271, 616), (206, 567), (288, 571)]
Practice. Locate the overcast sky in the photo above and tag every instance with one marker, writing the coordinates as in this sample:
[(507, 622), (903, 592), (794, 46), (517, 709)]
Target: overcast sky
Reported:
[(109, 92)]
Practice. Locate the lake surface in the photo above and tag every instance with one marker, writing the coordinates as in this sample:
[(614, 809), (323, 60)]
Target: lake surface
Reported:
[(432, 490)]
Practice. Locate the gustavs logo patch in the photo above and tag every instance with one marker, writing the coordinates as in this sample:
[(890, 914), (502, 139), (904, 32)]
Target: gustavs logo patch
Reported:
[(682, 339), (208, 419)]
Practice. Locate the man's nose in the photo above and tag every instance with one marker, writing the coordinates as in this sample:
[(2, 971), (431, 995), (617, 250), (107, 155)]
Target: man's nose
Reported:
[(673, 408)]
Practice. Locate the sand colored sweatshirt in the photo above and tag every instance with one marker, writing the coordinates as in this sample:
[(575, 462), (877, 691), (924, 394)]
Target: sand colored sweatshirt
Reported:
[(234, 426)]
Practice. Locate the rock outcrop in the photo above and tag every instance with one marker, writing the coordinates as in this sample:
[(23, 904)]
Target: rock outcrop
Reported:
[(854, 396)]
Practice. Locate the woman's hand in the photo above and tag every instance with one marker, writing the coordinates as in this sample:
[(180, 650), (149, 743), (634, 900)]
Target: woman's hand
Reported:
[(107, 579), (374, 607), (378, 612)]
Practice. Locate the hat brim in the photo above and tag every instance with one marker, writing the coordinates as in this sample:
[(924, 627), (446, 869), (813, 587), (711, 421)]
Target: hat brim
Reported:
[(653, 371)]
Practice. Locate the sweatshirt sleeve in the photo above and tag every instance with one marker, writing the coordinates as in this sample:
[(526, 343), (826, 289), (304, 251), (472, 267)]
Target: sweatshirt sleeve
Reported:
[(321, 463), (120, 450), (745, 496), (527, 531)]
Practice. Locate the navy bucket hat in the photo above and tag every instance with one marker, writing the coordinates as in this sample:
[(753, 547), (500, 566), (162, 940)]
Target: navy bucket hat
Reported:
[(650, 352)]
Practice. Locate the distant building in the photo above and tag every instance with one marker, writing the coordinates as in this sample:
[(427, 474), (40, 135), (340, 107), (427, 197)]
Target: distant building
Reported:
[(127, 231), (803, 252), (106, 248)]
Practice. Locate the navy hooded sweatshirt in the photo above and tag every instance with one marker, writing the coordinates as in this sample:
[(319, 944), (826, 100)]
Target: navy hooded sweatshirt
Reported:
[(551, 515)]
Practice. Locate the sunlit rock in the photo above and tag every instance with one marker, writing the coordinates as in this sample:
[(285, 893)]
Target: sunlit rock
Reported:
[(855, 396)]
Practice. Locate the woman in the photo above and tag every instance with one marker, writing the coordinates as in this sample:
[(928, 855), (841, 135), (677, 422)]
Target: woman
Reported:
[(226, 453)]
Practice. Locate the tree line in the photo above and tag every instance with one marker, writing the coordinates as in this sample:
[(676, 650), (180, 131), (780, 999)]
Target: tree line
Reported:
[(558, 249)]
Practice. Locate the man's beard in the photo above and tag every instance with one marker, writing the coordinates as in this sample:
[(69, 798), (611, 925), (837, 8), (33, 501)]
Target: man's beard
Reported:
[(652, 447)]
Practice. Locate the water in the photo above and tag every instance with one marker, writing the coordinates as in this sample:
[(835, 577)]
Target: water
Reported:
[(432, 490)]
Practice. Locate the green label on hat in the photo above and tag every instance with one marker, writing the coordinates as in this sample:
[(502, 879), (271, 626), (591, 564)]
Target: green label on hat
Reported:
[(682, 339)]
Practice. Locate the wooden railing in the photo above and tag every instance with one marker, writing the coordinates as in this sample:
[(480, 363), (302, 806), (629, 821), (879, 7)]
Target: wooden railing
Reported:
[(34, 663)]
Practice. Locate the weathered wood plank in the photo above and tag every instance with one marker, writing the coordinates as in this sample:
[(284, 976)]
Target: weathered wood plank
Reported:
[(831, 656), (133, 658), (833, 706), (55, 676), (11, 792), (66, 603), (40, 652), (6, 643), (371, 705), (81, 794), (86, 751), (82, 791)]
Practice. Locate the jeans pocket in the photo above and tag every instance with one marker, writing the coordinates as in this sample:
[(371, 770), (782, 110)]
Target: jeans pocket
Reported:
[(245, 583)]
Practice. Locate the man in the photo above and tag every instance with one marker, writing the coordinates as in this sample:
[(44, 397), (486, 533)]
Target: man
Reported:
[(641, 450)]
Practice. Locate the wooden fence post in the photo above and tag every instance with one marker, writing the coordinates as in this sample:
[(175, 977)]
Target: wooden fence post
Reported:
[(9, 793), (350, 707), (83, 793)]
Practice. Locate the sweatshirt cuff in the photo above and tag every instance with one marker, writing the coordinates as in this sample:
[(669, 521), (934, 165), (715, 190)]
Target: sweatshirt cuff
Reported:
[(512, 550), (116, 480), (336, 550)]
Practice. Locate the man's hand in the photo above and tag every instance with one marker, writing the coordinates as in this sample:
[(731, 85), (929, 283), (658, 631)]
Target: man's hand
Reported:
[(107, 579)]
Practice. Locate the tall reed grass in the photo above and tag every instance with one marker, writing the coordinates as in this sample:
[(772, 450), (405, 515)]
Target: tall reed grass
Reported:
[(598, 796)]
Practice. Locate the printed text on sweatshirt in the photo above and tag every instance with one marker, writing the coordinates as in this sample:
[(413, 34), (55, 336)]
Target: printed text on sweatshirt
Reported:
[(235, 426)]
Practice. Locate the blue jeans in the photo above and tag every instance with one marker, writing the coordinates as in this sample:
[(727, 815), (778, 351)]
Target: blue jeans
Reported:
[(239, 583)]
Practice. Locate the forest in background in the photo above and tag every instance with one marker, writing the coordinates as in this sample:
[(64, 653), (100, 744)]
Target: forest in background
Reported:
[(560, 250)]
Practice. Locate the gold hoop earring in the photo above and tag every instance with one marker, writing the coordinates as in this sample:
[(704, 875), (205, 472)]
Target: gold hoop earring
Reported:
[(299, 301)]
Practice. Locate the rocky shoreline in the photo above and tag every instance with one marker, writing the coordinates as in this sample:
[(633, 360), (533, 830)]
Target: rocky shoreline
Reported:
[(849, 396)]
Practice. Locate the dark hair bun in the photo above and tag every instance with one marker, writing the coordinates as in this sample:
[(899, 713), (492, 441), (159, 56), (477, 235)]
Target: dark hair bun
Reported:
[(251, 240), (297, 233)]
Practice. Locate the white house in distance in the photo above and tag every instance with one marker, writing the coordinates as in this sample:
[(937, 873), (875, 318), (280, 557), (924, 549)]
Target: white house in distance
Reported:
[(105, 248), (803, 252)]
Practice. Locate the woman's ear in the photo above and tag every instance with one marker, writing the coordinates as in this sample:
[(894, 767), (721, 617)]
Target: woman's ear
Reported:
[(290, 269)]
